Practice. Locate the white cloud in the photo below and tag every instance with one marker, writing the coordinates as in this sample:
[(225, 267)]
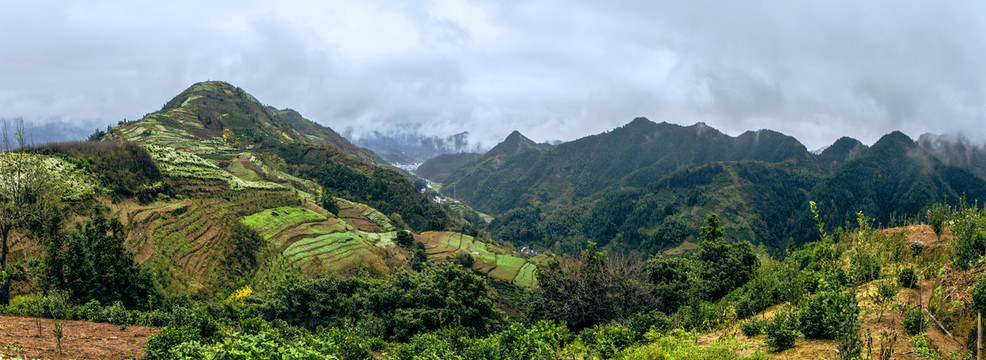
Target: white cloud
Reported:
[(551, 69)]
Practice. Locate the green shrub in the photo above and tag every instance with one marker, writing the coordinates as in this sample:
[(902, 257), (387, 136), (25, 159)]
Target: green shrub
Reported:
[(159, 345), (156, 318), (865, 266), (907, 278), (195, 319), (91, 311), (115, 314), (782, 331), (922, 346), (611, 340), (23, 305), (823, 312), (254, 325), (913, 319), (644, 321), (753, 327), (979, 294)]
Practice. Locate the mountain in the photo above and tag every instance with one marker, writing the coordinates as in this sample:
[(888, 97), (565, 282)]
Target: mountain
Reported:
[(839, 152), (215, 187), (515, 143), (956, 152), (439, 168), (647, 187), (894, 178), (633, 155), (407, 150), (643, 186), (50, 131), (224, 116)]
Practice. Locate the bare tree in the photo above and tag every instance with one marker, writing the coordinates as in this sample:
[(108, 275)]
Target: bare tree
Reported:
[(24, 190)]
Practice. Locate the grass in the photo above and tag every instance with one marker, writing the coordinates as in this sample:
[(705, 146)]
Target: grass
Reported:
[(237, 169), (525, 277), (270, 222), (507, 267), (338, 247)]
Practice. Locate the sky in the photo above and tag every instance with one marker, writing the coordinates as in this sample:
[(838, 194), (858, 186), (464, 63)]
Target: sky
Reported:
[(554, 70)]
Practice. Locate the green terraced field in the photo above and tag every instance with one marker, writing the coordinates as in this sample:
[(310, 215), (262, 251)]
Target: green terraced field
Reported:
[(331, 249), (272, 221), (510, 268), (507, 267), (525, 278), (304, 247), (378, 218), (383, 240), (478, 250)]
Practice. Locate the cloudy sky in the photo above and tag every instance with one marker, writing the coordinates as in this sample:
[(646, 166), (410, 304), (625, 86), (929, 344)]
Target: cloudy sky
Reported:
[(816, 70)]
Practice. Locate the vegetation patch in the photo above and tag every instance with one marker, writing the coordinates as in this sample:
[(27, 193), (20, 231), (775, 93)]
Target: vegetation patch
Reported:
[(270, 222)]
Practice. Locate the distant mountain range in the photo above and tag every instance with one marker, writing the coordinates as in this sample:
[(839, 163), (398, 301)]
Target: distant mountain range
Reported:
[(647, 186), (408, 150), (53, 131)]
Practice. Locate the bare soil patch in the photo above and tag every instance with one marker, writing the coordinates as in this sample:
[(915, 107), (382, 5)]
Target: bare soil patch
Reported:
[(82, 340)]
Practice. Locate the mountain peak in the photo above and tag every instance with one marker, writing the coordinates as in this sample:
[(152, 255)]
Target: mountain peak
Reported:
[(514, 144), (223, 115)]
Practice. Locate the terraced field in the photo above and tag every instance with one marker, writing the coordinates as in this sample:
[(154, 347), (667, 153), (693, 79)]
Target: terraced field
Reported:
[(332, 250), (303, 234), (440, 245), (363, 217), (271, 222), (184, 240)]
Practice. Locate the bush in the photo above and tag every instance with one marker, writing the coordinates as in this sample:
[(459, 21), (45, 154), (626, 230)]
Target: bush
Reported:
[(156, 318), (159, 345), (88, 312), (610, 340), (195, 319), (782, 331), (907, 278), (753, 327), (865, 266), (642, 322), (913, 320), (979, 294), (822, 314), (115, 314)]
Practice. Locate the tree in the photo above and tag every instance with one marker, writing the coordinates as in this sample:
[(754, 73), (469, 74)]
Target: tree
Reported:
[(95, 265), (404, 238), (589, 290), (25, 196), (723, 266)]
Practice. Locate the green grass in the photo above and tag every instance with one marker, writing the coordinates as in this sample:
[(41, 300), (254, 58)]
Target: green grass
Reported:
[(525, 278), (237, 169), (336, 249), (507, 267), (268, 224), (478, 250), (305, 245)]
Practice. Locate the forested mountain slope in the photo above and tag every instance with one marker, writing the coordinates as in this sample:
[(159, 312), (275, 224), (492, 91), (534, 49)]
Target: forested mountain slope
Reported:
[(641, 186)]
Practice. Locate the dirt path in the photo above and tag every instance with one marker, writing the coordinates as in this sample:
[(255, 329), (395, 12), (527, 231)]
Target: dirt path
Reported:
[(938, 337), (82, 340)]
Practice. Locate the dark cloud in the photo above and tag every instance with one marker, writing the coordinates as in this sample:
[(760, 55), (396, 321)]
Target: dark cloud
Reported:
[(552, 69)]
